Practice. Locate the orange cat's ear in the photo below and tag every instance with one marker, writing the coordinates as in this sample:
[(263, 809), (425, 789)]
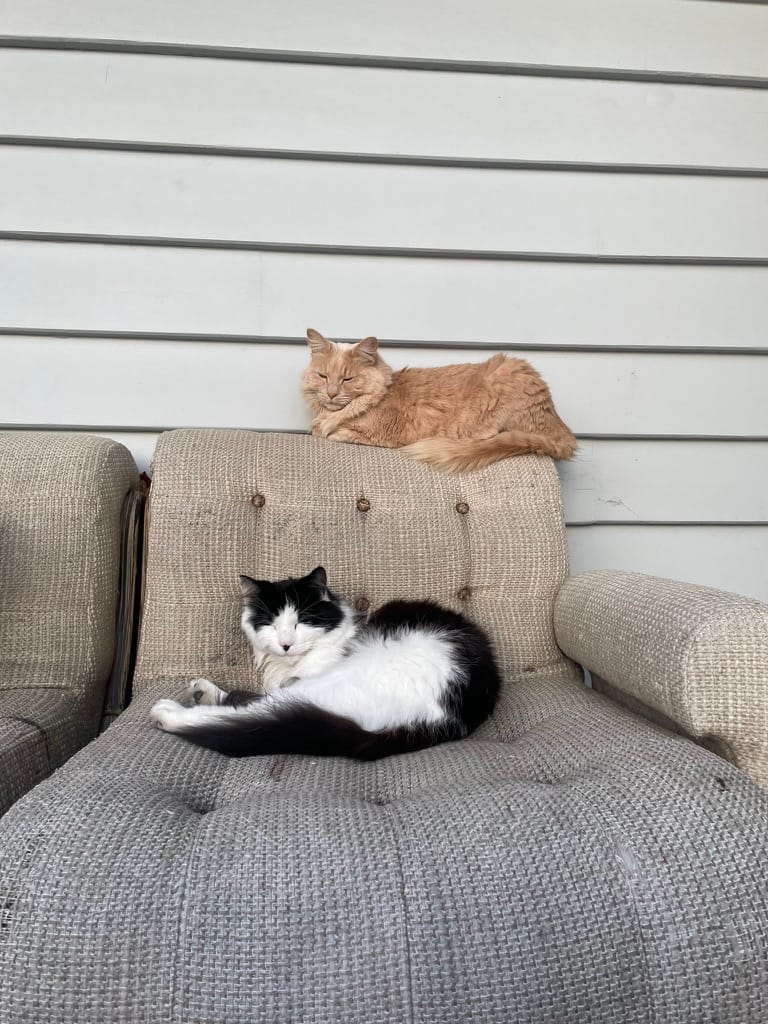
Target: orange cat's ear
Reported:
[(317, 342), (367, 349)]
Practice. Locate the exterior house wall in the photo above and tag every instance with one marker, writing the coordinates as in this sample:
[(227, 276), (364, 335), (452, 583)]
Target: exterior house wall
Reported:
[(186, 188)]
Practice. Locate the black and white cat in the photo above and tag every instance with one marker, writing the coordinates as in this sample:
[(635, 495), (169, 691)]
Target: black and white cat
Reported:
[(411, 676)]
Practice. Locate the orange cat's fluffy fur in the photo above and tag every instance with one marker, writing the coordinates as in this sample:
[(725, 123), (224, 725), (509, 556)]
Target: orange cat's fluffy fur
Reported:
[(456, 418)]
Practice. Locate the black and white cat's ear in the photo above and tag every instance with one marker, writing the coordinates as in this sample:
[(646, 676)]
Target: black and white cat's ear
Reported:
[(249, 588), (317, 343), (367, 349), (317, 578)]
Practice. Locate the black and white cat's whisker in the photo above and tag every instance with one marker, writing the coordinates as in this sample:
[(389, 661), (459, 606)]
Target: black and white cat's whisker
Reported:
[(307, 607), (257, 603)]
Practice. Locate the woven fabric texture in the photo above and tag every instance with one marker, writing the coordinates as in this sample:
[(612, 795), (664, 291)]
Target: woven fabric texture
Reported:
[(697, 655), (568, 862), (60, 504), (39, 729), (225, 502), (593, 869)]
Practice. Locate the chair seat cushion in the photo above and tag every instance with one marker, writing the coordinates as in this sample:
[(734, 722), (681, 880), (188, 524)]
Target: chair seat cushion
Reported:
[(589, 867), (39, 729)]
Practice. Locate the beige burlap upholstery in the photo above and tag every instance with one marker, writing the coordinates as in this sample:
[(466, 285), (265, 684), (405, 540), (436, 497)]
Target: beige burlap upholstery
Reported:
[(60, 502), (225, 502), (696, 655)]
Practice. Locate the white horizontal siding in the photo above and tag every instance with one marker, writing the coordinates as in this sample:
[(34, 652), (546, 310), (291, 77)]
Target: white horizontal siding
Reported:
[(103, 287), (172, 384), (611, 338), (714, 38), (373, 110), (728, 557), (631, 480), (208, 197)]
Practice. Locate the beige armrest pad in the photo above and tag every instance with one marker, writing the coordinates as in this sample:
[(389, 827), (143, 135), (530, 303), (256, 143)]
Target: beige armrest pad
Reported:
[(697, 655)]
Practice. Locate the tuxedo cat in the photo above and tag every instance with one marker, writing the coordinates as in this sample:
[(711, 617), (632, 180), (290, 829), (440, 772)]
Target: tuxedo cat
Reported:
[(412, 675)]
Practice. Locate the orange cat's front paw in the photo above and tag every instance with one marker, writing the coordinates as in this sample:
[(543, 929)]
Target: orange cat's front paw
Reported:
[(322, 429), (344, 434)]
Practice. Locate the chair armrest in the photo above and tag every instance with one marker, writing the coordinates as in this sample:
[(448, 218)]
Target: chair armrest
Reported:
[(695, 655)]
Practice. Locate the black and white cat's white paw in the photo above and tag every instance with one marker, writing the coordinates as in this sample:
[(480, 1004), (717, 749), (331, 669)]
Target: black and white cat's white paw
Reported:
[(168, 715), (171, 716), (203, 691)]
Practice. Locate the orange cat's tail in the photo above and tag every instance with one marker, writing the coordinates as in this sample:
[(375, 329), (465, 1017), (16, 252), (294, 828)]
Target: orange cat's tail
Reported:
[(460, 455)]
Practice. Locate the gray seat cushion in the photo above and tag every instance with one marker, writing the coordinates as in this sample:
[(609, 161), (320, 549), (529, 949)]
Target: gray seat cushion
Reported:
[(24, 760), (595, 868), (39, 729)]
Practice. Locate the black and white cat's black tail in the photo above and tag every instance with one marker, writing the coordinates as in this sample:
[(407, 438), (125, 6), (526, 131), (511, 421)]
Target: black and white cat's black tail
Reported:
[(303, 728)]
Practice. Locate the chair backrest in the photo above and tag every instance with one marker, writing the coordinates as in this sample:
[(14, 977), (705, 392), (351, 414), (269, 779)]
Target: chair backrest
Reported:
[(225, 502), (61, 497)]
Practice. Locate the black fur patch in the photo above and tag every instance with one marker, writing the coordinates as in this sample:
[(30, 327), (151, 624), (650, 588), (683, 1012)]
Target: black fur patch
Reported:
[(309, 595), (474, 689), (303, 728), (240, 698)]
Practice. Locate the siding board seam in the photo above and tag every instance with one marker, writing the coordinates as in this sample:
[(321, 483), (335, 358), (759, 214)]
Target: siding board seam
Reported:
[(395, 159), (380, 251), (363, 60), (726, 438), (667, 522), (143, 428), (66, 333)]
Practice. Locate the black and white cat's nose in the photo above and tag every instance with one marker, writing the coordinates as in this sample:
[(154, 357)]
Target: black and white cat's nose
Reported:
[(286, 647)]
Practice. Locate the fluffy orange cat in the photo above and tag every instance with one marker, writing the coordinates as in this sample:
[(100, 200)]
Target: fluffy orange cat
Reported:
[(456, 418)]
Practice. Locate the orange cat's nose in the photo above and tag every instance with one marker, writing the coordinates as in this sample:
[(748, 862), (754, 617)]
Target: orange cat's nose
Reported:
[(332, 391)]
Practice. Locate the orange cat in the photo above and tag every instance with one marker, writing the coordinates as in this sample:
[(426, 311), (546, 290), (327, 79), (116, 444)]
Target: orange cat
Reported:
[(456, 418)]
